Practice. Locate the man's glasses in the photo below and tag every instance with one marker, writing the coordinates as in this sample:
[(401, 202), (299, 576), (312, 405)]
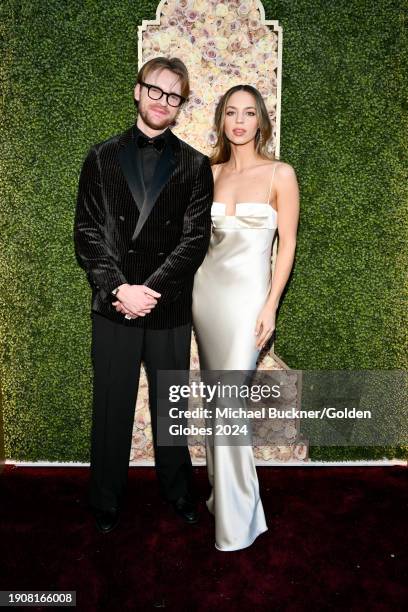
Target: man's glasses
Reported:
[(155, 93)]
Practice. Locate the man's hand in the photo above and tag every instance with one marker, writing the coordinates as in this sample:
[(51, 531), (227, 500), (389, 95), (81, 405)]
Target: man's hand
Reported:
[(135, 300), (120, 308)]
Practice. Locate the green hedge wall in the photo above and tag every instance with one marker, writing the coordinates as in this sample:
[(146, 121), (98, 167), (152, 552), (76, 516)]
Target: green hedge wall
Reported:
[(66, 74)]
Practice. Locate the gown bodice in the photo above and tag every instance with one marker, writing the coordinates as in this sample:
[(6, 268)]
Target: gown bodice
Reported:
[(241, 244), (248, 215), (234, 281)]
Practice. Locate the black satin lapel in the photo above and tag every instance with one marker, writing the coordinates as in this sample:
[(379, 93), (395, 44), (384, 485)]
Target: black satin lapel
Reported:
[(162, 173), (132, 170)]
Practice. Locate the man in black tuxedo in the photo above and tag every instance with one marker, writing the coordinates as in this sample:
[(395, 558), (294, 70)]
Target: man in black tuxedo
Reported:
[(142, 228)]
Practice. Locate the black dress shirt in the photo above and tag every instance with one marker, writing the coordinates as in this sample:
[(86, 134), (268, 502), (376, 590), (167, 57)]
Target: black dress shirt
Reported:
[(149, 155)]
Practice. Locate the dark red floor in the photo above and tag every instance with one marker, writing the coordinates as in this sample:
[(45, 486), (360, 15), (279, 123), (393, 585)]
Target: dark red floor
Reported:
[(337, 540)]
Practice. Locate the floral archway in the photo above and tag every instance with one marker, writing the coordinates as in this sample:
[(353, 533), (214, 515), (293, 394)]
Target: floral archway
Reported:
[(223, 43)]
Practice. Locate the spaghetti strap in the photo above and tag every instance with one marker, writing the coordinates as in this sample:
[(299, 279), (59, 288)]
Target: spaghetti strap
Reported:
[(270, 188)]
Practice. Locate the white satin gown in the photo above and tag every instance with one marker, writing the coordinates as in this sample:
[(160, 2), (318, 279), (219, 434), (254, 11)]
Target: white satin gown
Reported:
[(230, 289)]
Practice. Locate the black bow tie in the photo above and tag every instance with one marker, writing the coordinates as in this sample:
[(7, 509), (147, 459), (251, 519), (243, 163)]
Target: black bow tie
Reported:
[(158, 143)]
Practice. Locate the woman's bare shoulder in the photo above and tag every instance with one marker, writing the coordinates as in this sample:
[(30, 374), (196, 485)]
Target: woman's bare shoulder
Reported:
[(284, 170)]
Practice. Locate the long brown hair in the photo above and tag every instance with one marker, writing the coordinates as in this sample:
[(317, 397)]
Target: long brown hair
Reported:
[(222, 147), (174, 64)]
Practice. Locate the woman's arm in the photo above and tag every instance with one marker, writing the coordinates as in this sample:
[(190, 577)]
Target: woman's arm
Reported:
[(287, 195)]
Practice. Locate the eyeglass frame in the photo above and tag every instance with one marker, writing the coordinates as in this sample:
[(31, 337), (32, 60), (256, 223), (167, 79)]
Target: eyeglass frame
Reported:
[(163, 93)]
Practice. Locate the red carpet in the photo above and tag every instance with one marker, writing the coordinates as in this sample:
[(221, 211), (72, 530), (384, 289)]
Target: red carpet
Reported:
[(337, 540)]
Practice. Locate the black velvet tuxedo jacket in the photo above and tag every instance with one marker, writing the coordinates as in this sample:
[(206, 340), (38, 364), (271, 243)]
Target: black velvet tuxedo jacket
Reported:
[(158, 238)]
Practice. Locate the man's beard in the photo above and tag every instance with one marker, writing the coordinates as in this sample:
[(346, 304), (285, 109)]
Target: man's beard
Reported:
[(153, 123)]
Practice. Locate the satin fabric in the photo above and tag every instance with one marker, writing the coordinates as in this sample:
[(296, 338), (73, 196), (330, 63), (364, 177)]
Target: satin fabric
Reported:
[(230, 289)]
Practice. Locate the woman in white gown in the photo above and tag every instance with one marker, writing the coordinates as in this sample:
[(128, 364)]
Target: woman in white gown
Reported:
[(234, 299)]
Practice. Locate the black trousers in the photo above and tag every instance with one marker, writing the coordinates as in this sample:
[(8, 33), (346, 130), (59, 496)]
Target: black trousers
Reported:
[(117, 352)]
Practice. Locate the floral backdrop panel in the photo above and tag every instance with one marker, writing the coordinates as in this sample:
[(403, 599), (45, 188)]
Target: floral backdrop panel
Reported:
[(223, 43)]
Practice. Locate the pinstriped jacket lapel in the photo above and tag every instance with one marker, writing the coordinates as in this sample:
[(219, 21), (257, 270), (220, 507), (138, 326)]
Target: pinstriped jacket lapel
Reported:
[(132, 170), (132, 167)]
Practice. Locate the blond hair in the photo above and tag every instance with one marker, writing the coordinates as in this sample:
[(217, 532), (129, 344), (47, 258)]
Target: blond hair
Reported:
[(174, 64)]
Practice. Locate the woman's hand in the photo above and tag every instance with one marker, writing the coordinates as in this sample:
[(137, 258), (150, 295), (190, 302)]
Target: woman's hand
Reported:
[(265, 325)]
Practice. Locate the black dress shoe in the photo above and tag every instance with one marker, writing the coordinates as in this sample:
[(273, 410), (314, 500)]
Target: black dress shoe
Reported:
[(186, 507), (106, 520)]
